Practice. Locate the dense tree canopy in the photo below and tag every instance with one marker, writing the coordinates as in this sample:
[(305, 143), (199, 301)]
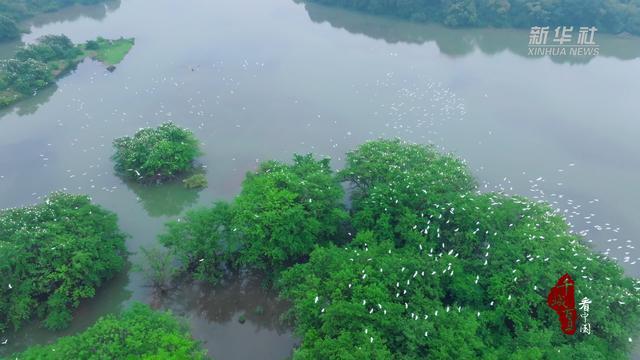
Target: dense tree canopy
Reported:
[(49, 48), (137, 333), (285, 210), (156, 153), (282, 213), (391, 181), (8, 29), (453, 274), (436, 269), (25, 76), (612, 16), (53, 255)]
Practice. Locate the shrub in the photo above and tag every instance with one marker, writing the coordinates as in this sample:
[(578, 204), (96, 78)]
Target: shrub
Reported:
[(137, 333), (196, 181), (157, 267), (92, 45), (156, 153)]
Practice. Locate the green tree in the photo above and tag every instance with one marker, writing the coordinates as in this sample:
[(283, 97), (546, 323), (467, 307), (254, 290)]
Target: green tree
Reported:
[(26, 76), (394, 183), (202, 241), (613, 16), (137, 333), (284, 211), (53, 255), (156, 153), (8, 29), (468, 279)]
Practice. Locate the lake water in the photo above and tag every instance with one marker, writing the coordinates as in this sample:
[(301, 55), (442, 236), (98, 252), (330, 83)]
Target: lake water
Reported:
[(263, 79)]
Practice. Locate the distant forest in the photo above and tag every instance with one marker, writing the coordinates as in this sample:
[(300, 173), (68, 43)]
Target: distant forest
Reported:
[(611, 16), (14, 11)]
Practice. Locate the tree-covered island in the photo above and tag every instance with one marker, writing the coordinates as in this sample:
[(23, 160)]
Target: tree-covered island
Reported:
[(36, 66), (423, 265), (156, 154)]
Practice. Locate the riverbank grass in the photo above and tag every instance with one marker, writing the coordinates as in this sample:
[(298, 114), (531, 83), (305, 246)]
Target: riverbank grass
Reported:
[(109, 52)]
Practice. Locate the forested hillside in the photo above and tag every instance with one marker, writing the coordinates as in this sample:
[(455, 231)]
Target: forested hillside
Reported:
[(612, 16)]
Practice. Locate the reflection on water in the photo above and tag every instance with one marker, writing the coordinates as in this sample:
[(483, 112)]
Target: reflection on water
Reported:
[(167, 199), (215, 311), (75, 12), (457, 42), (30, 104)]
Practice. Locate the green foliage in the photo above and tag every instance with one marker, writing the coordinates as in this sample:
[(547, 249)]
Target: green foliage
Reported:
[(35, 67), (393, 182), (8, 29), (49, 48), (157, 267), (92, 45), (202, 241), (484, 262), (53, 255), (111, 52), (26, 76), (12, 11), (284, 211), (156, 153), (612, 16), (137, 333), (196, 181)]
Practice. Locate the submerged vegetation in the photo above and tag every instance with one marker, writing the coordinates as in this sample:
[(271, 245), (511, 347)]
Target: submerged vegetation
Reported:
[(53, 255), (38, 65), (612, 16), (156, 153), (14, 11), (196, 181), (137, 333), (435, 269)]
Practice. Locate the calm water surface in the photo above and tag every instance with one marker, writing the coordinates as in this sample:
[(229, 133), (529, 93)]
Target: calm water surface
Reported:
[(263, 79)]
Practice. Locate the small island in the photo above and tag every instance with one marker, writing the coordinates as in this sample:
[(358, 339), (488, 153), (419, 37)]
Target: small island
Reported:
[(156, 154), (38, 65)]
